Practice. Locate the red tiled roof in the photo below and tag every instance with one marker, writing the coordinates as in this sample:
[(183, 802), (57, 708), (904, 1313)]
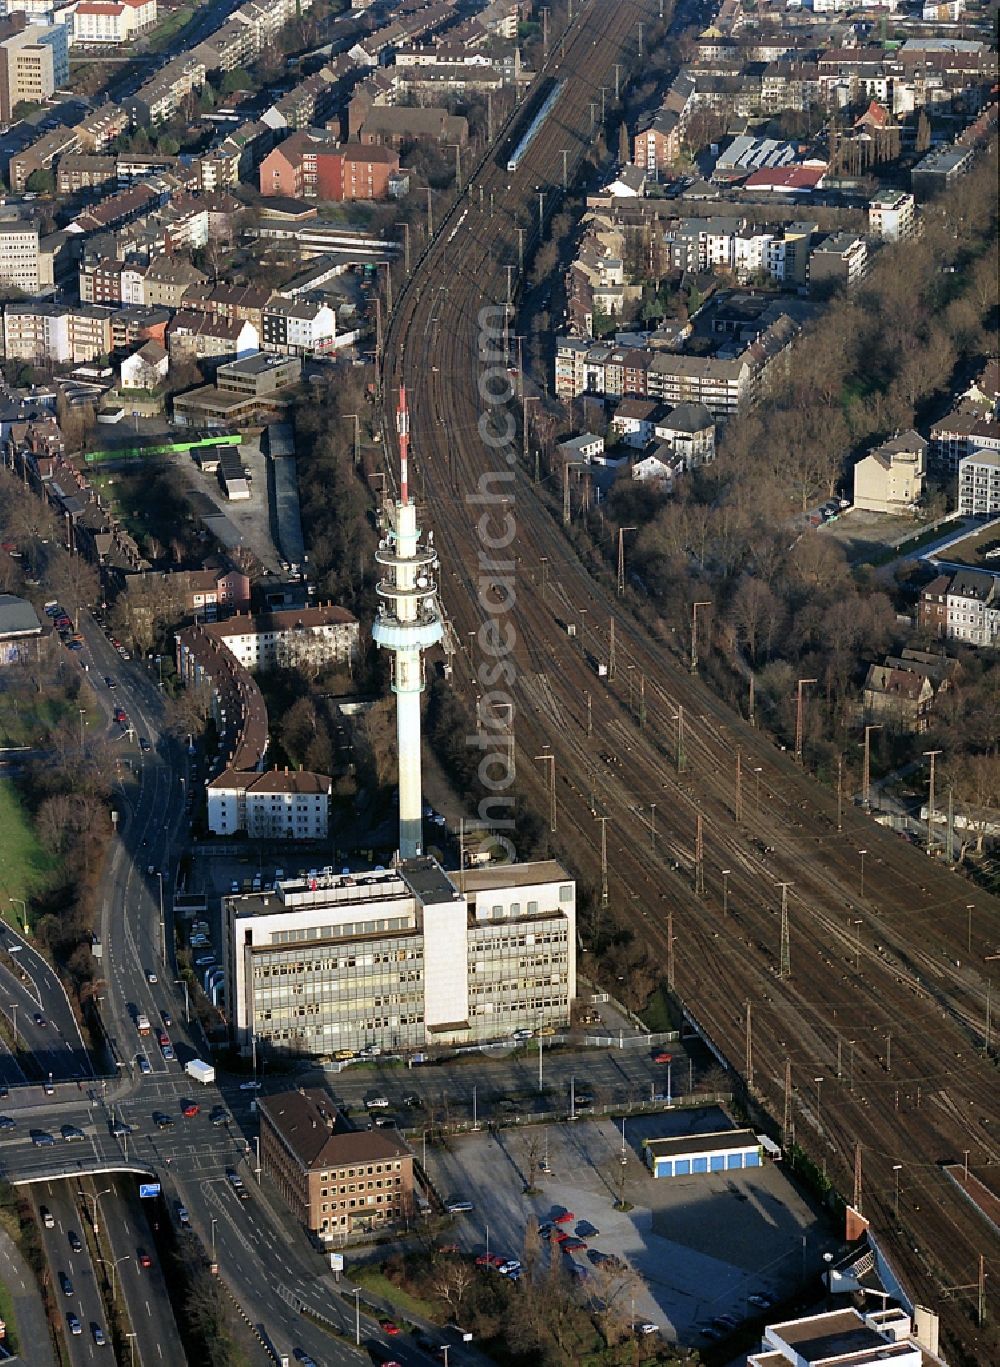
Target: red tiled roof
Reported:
[(786, 178)]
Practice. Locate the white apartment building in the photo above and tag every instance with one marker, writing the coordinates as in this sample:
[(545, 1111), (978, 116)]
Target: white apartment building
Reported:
[(19, 262), (275, 805), (979, 484), (296, 327), (38, 333), (303, 636), (109, 21), (972, 606), (401, 958), (892, 216)]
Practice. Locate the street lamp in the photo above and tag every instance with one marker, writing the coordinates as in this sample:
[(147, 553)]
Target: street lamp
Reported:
[(163, 936), (357, 1316), (113, 1263), (970, 908), (857, 924), (725, 891), (182, 982), (896, 1169), (818, 1081), (862, 853), (802, 683), (215, 1221), (94, 1200), (24, 912), (758, 770)]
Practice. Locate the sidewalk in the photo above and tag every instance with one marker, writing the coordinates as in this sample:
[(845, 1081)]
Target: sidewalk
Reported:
[(31, 1325)]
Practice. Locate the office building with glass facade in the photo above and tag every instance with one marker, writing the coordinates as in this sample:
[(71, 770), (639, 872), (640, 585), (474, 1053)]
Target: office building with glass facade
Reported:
[(400, 959)]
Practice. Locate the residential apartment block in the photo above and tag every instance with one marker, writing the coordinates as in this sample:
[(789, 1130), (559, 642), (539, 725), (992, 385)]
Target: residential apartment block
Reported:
[(53, 334), (273, 805), (110, 21), (19, 256), (891, 478), (317, 635), (979, 484), (314, 165), (296, 327), (336, 1180), (963, 607), (402, 957), (34, 62), (892, 216), (656, 146)]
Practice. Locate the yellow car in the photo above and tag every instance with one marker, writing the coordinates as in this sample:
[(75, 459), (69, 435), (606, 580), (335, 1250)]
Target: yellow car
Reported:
[(342, 1054), (546, 1030)]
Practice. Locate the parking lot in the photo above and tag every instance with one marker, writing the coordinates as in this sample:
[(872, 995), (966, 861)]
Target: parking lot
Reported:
[(701, 1245)]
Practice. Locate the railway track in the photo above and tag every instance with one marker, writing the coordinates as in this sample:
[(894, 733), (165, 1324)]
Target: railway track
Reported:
[(884, 1001)]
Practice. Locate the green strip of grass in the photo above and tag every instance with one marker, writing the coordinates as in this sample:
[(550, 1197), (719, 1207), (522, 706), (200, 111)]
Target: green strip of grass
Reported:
[(12, 1340), (24, 865), (379, 1285)]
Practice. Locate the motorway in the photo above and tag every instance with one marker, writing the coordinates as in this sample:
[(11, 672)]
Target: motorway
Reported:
[(880, 993), (85, 1300)]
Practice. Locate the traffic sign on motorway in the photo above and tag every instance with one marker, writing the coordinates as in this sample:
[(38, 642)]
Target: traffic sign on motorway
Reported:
[(148, 1189)]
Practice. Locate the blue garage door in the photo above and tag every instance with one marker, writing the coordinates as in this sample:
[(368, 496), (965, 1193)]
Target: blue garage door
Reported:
[(682, 1167), (734, 1160), (699, 1165), (718, 1162), (664, 1167), (752, 1160)]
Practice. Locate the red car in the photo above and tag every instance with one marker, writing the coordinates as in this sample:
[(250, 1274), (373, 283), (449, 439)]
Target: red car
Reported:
[(191, 1109), (566, 1218), (559, 1236), (572, 1245), (663, 1058), (121, 716), (448, 1248), (164, 1038), (489, 1260), (389, 1327), (144, 1259)]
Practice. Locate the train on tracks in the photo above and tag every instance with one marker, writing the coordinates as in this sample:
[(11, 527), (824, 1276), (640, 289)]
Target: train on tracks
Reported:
[(543, 102)]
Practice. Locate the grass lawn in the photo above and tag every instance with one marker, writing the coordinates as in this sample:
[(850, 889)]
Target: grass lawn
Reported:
[(24, 865), (11, 1342), (373, 1280), (164, 33), (31, 722)]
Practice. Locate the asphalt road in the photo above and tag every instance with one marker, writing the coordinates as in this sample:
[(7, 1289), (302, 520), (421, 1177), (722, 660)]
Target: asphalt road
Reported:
[(86, 1301), (128, 1236), (55, 1049)]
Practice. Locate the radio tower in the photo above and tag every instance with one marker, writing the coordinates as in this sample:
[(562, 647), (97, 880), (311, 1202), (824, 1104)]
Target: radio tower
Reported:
[(408, 623)]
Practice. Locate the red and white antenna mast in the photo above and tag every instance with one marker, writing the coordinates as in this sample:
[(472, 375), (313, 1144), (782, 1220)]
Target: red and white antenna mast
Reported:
[(403, 428)]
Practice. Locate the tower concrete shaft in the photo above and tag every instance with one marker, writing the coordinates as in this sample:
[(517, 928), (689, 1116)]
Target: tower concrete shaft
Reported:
[(408, 623)]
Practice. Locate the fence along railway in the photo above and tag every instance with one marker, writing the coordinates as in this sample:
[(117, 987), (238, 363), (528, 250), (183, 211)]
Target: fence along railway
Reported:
[(889, 1012)]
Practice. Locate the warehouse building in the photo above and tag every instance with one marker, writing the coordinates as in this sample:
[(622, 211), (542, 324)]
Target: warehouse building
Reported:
[(401, 958), (716, 1151)]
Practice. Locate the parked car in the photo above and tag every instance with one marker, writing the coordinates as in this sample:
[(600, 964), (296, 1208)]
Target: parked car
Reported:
[(145, 1067), (457, 1207)]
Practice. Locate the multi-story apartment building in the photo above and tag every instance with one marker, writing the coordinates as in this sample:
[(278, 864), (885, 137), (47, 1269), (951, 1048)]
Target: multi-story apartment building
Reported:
[(336, 1180), (89, 332), (322, 635), (19, 264), (959, 435), (273, 805), (82, 171), (974, 608), (979, 484), (401, 958), (892, 216), (166, 280), (657, 142), (161, 96), (840, 259), (37, 333), (110, 21), (41, 154), (312, 164), (111, 282), (890, 479), (34, 62), (298, 327), (100, 128)]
